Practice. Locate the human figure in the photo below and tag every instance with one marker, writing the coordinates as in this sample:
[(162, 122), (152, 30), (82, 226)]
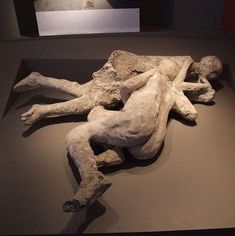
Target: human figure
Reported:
[(103, 89), (140, 126), (153, 87)]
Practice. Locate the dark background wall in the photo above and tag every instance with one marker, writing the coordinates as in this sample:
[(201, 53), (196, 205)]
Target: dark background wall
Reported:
[(198, 15), (155, 15), (26, 17), (182, 14), (8, 21), (229, 15)]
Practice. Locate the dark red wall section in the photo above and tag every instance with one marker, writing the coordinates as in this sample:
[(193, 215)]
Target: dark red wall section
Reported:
[(229, 16)]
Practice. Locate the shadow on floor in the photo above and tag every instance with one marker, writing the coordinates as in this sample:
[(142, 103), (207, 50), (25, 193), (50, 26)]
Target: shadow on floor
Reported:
[(90, 214)]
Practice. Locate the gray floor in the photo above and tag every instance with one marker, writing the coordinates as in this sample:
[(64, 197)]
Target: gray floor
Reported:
[(180, 190)]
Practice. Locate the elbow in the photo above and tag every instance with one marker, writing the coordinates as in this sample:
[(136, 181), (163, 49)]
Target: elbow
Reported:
[(146, 153), (124, 88), (192, 116)]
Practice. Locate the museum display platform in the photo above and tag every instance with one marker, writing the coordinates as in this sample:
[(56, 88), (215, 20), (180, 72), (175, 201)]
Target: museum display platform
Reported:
[(189, 186)]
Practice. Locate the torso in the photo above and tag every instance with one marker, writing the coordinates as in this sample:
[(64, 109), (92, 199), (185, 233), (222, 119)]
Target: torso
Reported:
[(136, 122)]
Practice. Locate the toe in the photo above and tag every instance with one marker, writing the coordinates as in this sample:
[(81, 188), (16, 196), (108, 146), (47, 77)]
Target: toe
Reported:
[(27, 114)]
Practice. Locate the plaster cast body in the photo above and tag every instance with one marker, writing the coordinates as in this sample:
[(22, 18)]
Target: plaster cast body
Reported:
[(103, 89), (149, 87)]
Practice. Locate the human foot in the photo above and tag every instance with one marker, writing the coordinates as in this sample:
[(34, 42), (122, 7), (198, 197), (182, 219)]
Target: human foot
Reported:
[(28, 83), (98, 189)]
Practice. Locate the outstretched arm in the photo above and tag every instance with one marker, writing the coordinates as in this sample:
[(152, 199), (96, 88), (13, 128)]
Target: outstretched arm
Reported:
[(183, 71)]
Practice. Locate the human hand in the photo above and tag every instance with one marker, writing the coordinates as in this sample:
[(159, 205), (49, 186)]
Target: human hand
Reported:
[(32, 115)]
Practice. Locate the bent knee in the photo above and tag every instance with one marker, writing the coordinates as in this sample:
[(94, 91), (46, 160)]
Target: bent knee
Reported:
[(96, 112)]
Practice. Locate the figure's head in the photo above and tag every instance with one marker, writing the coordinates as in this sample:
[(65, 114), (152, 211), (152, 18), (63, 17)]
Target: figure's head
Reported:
[(210, 67)]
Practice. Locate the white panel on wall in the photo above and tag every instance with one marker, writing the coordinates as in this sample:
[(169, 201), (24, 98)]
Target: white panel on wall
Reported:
[(88, 21), (61, 17)]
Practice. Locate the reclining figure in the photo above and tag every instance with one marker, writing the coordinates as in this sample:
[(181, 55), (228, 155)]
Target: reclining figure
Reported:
[(148, 86), (103, 89)]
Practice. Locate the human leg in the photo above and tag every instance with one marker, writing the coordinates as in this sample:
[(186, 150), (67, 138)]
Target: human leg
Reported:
[(93, 182), (112, 155), (36, 80)]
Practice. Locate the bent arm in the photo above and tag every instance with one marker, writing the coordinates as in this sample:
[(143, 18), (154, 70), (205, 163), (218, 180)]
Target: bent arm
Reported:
[(134, 83), (202, 84), (200, 92), (187, 86), (183, 71)]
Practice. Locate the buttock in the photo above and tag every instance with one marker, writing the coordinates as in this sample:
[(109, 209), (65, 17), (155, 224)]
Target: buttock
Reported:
[(123, 131)]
